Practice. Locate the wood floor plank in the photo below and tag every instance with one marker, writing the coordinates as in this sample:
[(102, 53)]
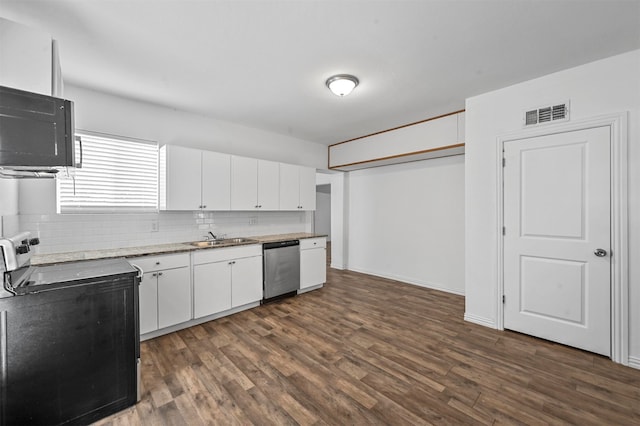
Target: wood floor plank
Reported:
[(366, 350)]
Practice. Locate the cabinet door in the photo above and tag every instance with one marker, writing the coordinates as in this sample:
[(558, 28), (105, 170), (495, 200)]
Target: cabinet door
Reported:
[(289, 187), (313, 267), (307, 188), (148, 303), (244, 183), (268, 185), (211, 288), (26, 58), (246, 282), (174, 297), (216, 181), (180, 184)]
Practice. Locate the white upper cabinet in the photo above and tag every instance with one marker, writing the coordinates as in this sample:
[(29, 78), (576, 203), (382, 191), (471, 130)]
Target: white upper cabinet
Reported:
[(216, 181), (191, 179), (244, 183), (28, 60), (254, 184), (307, 188), (436, 137), (297, 187), (268, 185)]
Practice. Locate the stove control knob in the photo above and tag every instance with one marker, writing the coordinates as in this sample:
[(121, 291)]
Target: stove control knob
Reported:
[(22, 249), (34, 241)]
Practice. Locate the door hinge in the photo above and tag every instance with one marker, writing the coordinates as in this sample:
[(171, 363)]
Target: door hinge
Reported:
[(503, 298), (504, 161)]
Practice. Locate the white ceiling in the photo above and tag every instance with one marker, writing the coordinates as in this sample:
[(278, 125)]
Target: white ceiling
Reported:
[(264, 63)]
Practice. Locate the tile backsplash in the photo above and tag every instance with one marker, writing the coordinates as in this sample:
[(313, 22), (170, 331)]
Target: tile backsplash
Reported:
[(77, 232)]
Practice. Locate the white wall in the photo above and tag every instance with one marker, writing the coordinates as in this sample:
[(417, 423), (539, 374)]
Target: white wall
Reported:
[(8, 203), (338, 216), (100, 112), (322, 216), (608, 86), (406, 222), (78, 232)]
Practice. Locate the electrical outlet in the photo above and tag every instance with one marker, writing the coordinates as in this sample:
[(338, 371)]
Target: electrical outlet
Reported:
[(155, 226), (253, 221)]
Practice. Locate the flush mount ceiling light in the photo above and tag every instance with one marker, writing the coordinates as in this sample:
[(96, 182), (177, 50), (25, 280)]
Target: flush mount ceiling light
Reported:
[(342, 84)]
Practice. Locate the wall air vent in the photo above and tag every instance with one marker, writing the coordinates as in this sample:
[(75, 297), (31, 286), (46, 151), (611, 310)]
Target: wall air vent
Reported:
[(547, 114)]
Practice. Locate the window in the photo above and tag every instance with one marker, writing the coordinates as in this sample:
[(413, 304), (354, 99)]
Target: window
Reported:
[(118, 175)]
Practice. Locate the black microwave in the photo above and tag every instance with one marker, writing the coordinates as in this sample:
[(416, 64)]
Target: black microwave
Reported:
[(37, 132)]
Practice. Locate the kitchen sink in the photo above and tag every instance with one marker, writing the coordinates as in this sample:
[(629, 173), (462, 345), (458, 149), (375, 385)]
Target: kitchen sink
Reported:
[(207, 243), (240, 240), (225, 241)]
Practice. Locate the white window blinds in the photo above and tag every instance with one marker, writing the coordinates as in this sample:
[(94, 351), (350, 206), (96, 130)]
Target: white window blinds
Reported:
[(118, 175)]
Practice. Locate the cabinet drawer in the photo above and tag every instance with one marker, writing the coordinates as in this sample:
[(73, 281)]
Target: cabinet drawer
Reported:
[(157, 263), (310, 243), (221, 254)]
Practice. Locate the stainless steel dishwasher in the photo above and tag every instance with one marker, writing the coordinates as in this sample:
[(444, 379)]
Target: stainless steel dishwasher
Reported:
[(281, 263)]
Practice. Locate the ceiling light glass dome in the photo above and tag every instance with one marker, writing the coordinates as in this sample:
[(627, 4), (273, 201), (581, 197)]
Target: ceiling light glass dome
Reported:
[(342, 84)]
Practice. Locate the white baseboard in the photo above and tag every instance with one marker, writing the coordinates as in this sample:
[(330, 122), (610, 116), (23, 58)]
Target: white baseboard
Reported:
[(486, 322), (337, 266), (406, 280), (634, 362)]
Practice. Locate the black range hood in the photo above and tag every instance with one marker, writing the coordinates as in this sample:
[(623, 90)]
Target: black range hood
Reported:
[(37, 134)]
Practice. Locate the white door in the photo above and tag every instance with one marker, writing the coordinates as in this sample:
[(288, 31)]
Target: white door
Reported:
[(216, 181), (211, 288), (148, 303), (557, 266), (246, 281), (268, 185), (307, 188), (289, 187), (183, 178), (244, 183), (174, 297)]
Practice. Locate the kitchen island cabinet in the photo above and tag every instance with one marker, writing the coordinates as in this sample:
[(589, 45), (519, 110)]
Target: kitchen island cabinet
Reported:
[(313, 263), (193, 179), (226, 278), (165, 291)]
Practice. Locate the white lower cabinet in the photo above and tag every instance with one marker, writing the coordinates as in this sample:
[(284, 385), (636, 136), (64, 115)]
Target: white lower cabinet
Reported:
[(165, 291), (313, 262), (226, 278), (246, 281)]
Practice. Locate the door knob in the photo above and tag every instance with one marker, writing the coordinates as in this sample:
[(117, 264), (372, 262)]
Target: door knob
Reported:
[(600, 252)]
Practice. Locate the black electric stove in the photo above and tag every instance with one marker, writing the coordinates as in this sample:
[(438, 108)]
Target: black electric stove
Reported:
[(69, 338)]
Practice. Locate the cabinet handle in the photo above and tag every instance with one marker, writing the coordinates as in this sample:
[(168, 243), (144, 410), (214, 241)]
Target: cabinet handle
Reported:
[(157, 263), (155, 274), (159, 274), (260, 206), (204, 207), (256, 206)]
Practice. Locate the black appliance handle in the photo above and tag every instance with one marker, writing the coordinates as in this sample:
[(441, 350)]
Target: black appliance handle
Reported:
[(280, 244)]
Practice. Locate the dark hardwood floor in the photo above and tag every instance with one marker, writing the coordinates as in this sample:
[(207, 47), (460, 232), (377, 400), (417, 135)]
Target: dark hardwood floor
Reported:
[(365, 351)]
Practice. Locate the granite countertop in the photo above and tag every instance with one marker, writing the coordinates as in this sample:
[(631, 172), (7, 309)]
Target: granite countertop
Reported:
[(47, 259)]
